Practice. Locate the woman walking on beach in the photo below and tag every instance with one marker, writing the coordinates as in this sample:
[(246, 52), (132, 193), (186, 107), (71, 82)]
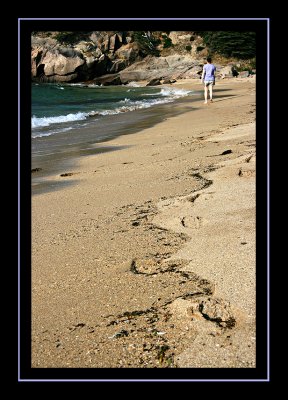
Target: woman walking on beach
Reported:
[(208, 78)]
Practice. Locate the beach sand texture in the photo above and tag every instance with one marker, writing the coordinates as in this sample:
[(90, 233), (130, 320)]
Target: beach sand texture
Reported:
[(148, 260)]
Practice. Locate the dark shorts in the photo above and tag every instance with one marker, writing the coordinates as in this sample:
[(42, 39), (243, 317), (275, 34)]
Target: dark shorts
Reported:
[(208, 83)]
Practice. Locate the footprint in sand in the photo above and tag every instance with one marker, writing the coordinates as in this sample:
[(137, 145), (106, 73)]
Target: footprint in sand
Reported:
[(191, 222), (68, 174)]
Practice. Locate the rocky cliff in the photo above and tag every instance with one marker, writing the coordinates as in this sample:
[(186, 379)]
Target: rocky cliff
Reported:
[(117, 57)]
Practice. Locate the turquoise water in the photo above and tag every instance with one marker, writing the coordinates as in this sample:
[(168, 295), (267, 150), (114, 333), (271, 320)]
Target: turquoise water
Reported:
[(58, 108), (73, 120)]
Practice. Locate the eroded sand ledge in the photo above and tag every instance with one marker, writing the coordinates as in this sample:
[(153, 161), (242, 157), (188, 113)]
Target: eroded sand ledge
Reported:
[(149, 259)]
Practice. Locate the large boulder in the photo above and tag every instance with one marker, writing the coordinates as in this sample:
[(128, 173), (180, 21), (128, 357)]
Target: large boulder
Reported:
[(149, 64), (174, 36), (194, 72), (57, 64), (244, 74), (128, 52), (131, 76), (178, 61), (101, 39), (85, 46), (227, 72), (178, 37), (170, 67)]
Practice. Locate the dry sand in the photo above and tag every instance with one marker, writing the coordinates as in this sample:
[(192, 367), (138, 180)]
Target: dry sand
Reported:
[(148, 260)]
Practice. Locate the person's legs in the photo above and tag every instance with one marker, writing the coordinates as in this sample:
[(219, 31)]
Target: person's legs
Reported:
[(205, 93), (211, 91)]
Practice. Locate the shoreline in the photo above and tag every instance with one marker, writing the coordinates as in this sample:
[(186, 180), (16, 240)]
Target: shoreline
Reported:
[(63, 154), (56, 152), (151, 253)]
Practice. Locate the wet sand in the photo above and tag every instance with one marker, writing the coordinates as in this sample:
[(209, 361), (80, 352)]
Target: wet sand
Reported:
[(147, 259)]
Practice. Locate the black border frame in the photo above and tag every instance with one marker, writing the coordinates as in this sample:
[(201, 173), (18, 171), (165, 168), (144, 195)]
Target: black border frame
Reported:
[(25, 372)]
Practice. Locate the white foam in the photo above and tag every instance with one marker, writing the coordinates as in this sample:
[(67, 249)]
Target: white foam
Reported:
[(166, 95), (170, 91), (136, 105), (46, 121), (125, 101)]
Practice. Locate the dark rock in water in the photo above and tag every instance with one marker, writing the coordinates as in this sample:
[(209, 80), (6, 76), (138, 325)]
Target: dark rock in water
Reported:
[(154, 82), (226, 152), (36, 170), (109, 79)]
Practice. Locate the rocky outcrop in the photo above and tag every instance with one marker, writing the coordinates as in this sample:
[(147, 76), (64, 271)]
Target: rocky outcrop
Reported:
[(103, 53), (164, 68), (111, 58), (128, 53), (56, 63), (194, 72), (85, 60)]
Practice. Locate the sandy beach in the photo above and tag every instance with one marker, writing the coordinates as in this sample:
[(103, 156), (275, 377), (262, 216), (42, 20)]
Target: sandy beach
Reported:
[(148, 259)]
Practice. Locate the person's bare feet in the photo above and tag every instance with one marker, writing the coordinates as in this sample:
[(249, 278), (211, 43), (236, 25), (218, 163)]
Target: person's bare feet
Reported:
[(205, 102)]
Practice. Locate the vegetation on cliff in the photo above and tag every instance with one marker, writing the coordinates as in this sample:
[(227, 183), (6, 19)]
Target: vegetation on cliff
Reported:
[(240, 45)]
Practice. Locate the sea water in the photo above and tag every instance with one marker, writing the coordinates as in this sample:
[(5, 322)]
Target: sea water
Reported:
[(58, 108), (72, 120)]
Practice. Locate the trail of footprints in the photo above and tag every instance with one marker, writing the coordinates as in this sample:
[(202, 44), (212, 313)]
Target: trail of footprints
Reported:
[(156, 333), (155, 336), (156, 325), (159, 333)]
